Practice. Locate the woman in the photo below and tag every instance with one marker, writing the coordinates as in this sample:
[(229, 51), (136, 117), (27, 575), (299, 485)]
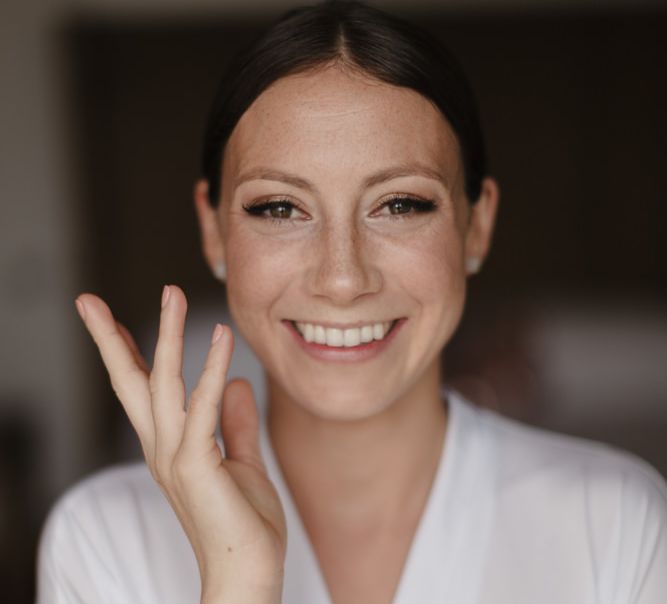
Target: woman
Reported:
[(345, 200)]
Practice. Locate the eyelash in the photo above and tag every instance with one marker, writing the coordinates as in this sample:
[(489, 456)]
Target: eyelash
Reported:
[(418, 206), (259, 209)]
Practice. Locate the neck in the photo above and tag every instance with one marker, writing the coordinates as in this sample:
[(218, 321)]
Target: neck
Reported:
[(363, 471)]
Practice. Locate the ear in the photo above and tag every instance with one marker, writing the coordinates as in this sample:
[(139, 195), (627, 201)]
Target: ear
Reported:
[(209, 228), (481, 223)]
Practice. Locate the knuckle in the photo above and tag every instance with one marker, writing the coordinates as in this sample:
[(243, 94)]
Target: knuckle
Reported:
[(152, 380), (169, 336), (109, 331), (162, 472), (210, 367), (159, 381), (207, 391), (158, 477), (146, 451), (135, 371), (155, 474), (181, 467), (153, 388), (197, 397)]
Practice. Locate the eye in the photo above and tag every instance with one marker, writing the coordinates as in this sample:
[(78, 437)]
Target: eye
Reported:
[(401, 206), (280, 210)]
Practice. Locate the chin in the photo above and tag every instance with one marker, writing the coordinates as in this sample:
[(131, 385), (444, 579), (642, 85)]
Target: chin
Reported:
[(343, 413), (343, 405)]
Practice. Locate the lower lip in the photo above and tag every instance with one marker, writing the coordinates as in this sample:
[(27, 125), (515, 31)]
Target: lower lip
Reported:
[(353, 354)]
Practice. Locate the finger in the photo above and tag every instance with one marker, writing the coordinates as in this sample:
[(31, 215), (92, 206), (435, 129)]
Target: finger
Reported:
[(240, 424), (136, 353), (166, 380), (128, 379), (202, 416)]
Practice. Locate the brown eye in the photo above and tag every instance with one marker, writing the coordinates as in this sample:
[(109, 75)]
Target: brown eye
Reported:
[(403, 206), (280, 210), (273, 210), (400, 206)]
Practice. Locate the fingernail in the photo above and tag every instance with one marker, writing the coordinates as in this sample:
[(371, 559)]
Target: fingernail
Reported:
[(217, 332), (81, 308), (165, 295)]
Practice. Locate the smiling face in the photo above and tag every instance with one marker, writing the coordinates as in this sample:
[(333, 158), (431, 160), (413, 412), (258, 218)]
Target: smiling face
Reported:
[(343, 216)]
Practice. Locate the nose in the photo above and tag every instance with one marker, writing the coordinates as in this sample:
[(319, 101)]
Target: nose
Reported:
[(343, 269)]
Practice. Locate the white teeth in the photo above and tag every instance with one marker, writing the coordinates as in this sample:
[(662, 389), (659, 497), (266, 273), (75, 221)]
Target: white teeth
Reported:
[(352, 337), (332, 336), (366, 333), (320, 335)]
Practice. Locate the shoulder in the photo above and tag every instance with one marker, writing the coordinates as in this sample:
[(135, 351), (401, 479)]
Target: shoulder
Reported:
[(528, 453), (108, 498), (100, 509), (105, 536), (110, 487), (111, 481), (601, 510)]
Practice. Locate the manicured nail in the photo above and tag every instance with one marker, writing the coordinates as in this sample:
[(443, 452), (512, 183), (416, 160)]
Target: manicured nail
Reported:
[(217, 332), (165, 295), (81, 308)]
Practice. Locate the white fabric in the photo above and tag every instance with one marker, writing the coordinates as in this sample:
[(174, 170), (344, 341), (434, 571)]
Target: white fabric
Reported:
[(515, 515)]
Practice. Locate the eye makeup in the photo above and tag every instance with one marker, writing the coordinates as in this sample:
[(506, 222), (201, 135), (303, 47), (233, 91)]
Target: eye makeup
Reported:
[(403, 205), (400, 206), (277, 211)]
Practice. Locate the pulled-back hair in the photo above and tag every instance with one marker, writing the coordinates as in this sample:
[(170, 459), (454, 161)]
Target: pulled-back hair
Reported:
[(364, 38)]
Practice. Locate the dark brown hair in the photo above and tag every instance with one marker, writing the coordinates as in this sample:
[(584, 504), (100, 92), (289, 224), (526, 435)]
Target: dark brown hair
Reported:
[(364, 38)]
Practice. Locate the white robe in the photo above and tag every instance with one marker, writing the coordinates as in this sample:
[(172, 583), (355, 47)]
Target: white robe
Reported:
[(515, 515)]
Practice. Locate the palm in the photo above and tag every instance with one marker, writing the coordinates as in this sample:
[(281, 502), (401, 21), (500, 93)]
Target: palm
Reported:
[(262, 498)]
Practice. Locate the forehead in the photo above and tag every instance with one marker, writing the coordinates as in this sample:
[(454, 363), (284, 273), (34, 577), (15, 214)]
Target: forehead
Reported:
[(334, 121)]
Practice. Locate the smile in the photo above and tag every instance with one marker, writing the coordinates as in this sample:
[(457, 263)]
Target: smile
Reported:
[(344, 338), (344, 344)]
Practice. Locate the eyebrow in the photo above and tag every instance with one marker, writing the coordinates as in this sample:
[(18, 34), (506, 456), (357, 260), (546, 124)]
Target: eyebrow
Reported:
[(402, 170), (275, 175), (405, 170)]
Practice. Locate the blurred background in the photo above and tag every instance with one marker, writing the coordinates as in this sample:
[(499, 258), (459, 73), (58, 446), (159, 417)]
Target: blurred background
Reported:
[(102, 107)]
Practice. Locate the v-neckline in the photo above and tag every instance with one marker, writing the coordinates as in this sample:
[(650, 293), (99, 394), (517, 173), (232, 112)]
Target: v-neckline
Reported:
[(446, 558), (304, 579)]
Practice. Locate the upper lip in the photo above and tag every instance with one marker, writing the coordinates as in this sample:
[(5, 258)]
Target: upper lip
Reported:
[(336, 325)]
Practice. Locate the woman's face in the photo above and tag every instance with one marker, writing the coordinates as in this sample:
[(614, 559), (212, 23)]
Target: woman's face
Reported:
[(367, 224)]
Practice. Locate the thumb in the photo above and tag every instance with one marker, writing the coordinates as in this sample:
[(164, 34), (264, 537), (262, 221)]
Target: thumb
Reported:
[(239, 423)]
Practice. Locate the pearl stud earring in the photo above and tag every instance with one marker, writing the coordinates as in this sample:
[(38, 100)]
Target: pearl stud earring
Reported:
[(220, 271), (473, 265)]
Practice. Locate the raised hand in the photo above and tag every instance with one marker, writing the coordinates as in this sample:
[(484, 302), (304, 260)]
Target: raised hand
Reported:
[(227, 506)]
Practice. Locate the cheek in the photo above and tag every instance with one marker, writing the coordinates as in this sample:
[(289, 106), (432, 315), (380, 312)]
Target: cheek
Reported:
[(259, 269), (431, 266), (432, 274)]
